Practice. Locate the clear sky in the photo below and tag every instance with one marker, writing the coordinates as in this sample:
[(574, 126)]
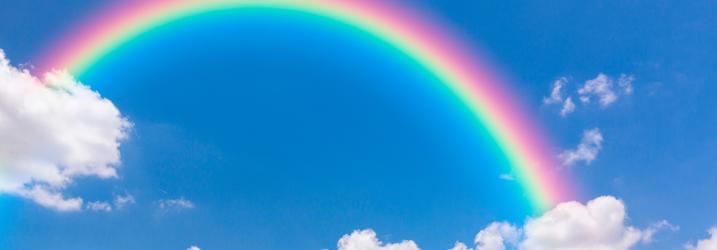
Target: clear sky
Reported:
[(263, 130)]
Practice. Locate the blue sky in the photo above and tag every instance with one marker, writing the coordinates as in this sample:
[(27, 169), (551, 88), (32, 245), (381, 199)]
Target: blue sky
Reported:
[(226, 153)]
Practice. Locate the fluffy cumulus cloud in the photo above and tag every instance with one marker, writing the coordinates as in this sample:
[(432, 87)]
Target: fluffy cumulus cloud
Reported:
[(194, 248), (367, 240), (460, 246), (53, 130), (588, 149), (598, 225), (496, 236), (601, 224), (706, 244)]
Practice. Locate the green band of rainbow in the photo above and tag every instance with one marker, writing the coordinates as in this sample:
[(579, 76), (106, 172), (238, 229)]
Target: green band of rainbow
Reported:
[(424, 41)]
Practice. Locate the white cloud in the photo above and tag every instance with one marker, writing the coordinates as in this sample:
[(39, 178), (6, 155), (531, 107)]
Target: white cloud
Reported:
[(99, 206), (496, 235), (175, 204), (121, 201), (50, 198), (53, 130), (557, 97), (598, 225), (556, 94), (600, 87), (588, 149), (367, 240), (568, 107), (194, 248), (705, 244), (460, 246), (654, 228), (625, 83)]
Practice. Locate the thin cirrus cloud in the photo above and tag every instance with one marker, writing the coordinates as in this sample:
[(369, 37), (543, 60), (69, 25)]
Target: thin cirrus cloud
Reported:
[(55, 130)]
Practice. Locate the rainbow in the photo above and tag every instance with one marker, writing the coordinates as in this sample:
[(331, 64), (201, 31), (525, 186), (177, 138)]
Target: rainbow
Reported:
[(412, 33)]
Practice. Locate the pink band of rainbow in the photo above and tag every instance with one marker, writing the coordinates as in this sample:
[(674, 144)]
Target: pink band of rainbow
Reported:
[(428, 43)]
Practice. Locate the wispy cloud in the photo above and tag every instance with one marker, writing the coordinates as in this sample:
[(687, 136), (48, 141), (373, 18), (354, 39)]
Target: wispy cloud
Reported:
[(586, 151), (99, 206), (568, 107), (625, 83), (556, 93), (175, 204), (121, 201), (601, 88), (654, 228), (557, 97)]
